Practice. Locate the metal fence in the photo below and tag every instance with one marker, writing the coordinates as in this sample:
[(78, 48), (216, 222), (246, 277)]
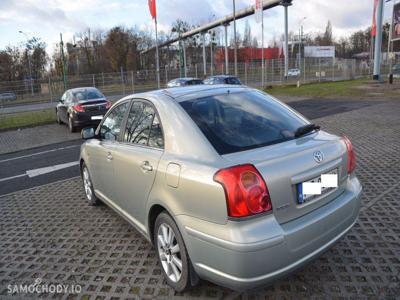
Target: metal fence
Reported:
[(115, 85)]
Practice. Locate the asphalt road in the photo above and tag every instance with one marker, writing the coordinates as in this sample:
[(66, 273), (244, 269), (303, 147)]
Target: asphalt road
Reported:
[(38, 166)]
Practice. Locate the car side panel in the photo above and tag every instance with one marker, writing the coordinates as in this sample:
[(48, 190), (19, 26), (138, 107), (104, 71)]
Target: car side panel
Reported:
[(196, 194)]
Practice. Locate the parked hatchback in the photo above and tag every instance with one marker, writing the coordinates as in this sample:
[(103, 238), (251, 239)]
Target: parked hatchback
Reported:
[(184, 81), (8, 96), (223, 79), (294, 72), (81, 107), (228, 183)]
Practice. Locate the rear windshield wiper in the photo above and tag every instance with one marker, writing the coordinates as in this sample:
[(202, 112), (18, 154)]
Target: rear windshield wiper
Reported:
[(306, 129)]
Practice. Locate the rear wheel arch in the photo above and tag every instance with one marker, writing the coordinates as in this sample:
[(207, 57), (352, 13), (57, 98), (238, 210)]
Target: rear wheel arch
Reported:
[(81, 162), (154, 211)]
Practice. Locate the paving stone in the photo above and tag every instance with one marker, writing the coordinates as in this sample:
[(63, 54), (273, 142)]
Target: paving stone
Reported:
[(26, 138), (49, 232)]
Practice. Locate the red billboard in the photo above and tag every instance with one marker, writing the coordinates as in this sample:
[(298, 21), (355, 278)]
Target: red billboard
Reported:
[(396, 22)]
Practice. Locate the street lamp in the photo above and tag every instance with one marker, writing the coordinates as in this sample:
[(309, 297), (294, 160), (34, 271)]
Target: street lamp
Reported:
[(29, 60), (182, 62), (301, 38)]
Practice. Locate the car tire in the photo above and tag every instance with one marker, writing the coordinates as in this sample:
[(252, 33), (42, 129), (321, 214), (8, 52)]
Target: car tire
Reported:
[(172, 254), (58, 118), (71, 126), (88, 186)]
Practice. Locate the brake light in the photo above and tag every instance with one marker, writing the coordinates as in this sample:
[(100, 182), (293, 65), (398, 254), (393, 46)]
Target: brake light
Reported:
[(351, 156), (245, 191), (78, 108), (108, 104)]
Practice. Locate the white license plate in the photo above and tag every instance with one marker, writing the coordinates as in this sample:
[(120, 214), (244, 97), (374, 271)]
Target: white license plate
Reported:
[(312, 189), (97, 117)]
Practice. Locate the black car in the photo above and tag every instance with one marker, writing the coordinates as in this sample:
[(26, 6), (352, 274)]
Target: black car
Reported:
[(184, 82), (81, 107), (222, 79)]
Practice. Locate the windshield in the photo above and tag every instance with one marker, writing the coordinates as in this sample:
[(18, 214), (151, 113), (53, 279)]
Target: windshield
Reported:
[(89, 94), (234, 122)]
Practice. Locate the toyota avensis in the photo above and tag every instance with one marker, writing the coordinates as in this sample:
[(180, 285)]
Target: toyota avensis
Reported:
[(229, 184)]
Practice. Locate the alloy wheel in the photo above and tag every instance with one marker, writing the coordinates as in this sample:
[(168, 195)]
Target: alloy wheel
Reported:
[(169, 252), (87, 184)]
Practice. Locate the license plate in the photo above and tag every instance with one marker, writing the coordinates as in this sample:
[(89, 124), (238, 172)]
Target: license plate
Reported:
[(317, 187), (97, 117)]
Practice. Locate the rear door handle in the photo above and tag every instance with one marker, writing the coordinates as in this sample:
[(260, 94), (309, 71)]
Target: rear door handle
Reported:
[(146, 166), (109, 156)]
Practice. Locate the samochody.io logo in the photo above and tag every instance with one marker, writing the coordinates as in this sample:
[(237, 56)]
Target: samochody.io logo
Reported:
[(38, 287)]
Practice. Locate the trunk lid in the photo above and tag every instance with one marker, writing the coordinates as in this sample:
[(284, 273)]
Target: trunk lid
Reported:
[(285, 165), (94, 106)]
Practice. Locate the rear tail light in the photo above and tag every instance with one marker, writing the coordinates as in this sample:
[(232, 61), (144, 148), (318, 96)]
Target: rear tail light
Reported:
[(78, 108), (245, 191), (351, 156), (108, 104)]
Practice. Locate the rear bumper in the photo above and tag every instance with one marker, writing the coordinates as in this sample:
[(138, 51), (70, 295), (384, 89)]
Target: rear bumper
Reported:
[(247, 254), (85, 119)]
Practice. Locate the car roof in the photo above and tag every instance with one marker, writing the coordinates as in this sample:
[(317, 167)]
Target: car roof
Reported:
[(223, 76), (186, 78), (180, 94), (82, 89)]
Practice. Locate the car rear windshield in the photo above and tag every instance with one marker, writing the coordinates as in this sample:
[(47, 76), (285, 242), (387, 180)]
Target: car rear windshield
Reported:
[(87, 95), (232, 80), (195, 82), (239, 121)]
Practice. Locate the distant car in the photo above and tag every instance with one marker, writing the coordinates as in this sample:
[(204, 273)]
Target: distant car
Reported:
[(81, 107), (223, 79), (293, 72), (185, 81), (8, 96), (396, 71)]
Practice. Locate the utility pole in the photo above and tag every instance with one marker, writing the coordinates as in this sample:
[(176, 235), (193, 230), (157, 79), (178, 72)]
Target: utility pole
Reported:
[(390, 47), (204, 55), (234, 36), (29, 61), (184, 57), (226, 49), (378, 42), (63, 63), (211, 53), (286, 4), (157, 55)]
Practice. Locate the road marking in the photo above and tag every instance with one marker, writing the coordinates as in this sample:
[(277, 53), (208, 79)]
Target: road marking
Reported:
[(42, 171), (12, 177), (45, 170), (39, 153)]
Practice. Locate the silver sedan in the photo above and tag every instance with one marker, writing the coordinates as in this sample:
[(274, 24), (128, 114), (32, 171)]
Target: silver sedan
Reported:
[(229, 184)]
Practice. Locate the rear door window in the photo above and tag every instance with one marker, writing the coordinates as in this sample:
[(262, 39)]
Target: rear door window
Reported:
[(143, 126), (111, 127), (234, 122)]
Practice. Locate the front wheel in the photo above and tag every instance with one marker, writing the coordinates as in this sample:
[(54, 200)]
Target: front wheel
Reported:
[(172, 254), (88, 186), (58, 117), (71, 126)]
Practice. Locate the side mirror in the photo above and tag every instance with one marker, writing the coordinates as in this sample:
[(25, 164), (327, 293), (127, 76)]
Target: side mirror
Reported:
[(87, 133), (61, 101)]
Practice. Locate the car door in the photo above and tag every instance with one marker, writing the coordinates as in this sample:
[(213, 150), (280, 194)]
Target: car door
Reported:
[(136, 160), (62, 108), (102, 152)]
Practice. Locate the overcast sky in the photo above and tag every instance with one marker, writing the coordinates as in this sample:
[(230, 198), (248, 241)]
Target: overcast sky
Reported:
[(47, 18)]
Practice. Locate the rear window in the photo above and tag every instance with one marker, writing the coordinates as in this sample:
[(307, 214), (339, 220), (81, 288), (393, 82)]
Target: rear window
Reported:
[(234, 122), (195, 82), (86, 95), (232, 80)]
